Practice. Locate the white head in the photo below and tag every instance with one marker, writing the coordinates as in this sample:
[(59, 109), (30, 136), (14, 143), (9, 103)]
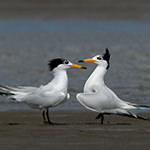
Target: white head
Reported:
[(101, 60), (62, 64)]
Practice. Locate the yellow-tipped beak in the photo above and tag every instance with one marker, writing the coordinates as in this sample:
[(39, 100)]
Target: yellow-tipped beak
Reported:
[(77, 66), (87, 60)]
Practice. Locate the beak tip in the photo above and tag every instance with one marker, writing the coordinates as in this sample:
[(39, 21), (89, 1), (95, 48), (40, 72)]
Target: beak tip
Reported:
[(80, 61), (84, 68)]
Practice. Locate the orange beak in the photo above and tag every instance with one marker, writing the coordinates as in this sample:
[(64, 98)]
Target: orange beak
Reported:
[(77, 66), (90, 60)]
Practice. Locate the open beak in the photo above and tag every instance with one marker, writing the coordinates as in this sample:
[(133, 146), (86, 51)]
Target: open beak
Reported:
[(77, 66), (90, 60)]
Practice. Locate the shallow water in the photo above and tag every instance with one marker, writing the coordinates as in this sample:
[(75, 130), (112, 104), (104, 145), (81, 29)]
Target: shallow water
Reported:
[(27, 46)]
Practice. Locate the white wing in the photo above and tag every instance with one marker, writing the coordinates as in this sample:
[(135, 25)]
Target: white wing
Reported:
[(100, 101), (44, 100), (25, 88)]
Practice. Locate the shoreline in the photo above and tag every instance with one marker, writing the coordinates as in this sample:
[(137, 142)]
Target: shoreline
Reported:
[(78, 130)]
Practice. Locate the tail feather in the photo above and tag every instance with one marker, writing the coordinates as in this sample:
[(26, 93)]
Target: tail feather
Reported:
[(142, 106), (127, 114), (5, 93), (139, 106), (135, 116), (6, 90), (142, 118)]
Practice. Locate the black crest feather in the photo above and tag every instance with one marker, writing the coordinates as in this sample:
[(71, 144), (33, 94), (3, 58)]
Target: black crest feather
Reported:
[(55, 62), (106, 57)]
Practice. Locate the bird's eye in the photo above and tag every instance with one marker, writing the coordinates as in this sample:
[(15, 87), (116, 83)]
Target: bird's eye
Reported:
[(99, 58), (66, 62)]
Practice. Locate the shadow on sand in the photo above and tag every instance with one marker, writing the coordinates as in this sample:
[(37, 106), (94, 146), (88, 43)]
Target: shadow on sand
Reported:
[(77, 124)]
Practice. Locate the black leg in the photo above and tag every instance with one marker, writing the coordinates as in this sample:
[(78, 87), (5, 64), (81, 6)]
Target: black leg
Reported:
[(100, 115), (44, 119), (102, 119), (48, 119)]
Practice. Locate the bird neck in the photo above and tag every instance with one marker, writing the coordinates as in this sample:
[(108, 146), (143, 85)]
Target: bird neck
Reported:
[(60, 80), (96, 78)]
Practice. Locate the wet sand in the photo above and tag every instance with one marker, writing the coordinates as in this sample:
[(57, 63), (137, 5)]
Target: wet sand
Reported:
[(79, 130), (75, 9)]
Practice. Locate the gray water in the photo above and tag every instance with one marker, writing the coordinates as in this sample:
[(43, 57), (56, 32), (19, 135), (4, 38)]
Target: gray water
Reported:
[(26, 46)]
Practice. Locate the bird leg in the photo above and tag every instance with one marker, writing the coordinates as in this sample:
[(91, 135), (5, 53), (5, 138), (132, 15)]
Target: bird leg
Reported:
[(44, 119), (100, 115), (48, 118), (48, 121), (102, 119)]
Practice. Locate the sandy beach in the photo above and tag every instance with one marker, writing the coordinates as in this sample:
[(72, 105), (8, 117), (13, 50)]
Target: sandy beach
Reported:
[(79, 130)]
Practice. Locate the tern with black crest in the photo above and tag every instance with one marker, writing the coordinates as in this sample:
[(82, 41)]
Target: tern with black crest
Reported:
[(46, 96), (98, 97)]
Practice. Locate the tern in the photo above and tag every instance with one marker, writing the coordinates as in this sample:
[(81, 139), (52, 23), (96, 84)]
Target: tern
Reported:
[(49, 95), (98, 97)]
